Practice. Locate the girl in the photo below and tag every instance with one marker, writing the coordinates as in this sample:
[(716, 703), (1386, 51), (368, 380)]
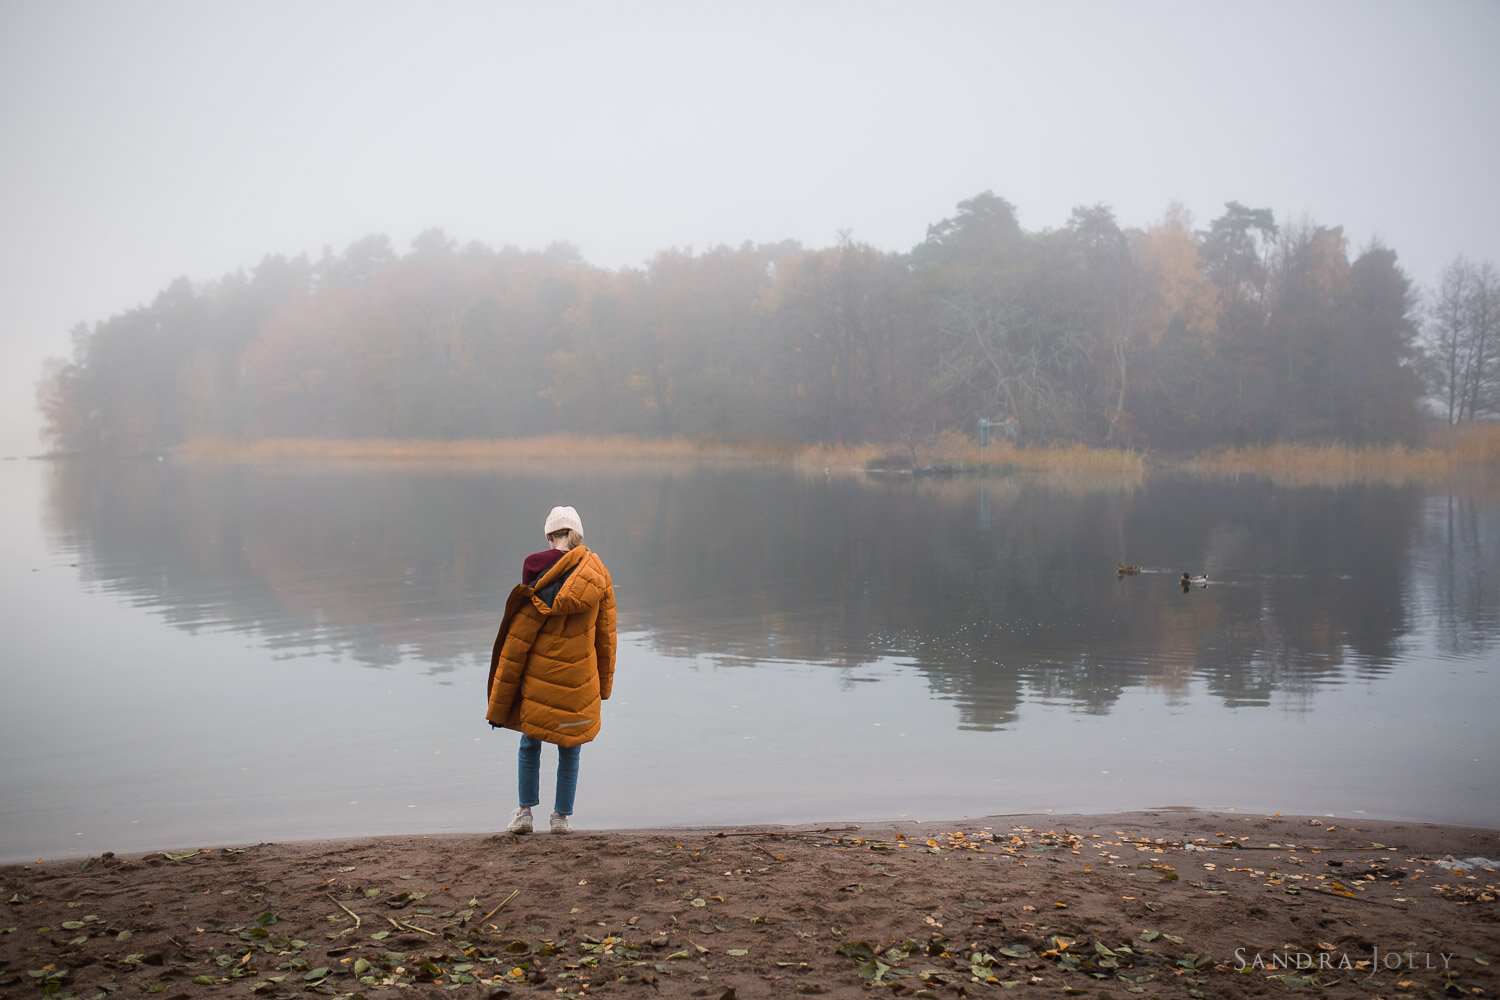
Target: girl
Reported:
[(554, 662)]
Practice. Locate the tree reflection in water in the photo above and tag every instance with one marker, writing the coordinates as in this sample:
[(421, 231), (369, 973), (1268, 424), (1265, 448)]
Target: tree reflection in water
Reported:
[(998, 592)]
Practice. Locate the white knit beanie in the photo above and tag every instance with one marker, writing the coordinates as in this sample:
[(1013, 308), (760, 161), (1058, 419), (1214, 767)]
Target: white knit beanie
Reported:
[(563, 518)]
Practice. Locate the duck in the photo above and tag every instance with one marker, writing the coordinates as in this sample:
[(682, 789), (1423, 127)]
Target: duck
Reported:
[(1127, 570), (1193, 581)]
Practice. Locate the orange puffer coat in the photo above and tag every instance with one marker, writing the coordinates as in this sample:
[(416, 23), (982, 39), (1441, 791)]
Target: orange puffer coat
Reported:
[(554, 657)]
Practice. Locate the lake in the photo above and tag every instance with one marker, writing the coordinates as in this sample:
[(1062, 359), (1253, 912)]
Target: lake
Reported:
[(205, 654)]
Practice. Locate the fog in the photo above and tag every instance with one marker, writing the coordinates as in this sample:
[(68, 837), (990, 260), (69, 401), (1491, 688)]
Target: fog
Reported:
[(147, 140)]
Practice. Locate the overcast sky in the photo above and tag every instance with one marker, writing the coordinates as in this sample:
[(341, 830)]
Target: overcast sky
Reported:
[(141, 140)]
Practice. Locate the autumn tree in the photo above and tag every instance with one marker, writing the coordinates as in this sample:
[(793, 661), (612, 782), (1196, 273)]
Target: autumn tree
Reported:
[(1112, 301), (838, 316), (1236, 251), (1089, 332), (1377, 388), (1461, 344), (1309, 289), (1176, 399), (1010, 344), (705, 347)]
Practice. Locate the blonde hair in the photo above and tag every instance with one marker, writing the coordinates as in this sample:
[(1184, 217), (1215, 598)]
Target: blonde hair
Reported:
[(574, 538)]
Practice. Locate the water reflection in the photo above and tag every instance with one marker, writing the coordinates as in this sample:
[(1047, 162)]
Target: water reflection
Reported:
[(997, 592)]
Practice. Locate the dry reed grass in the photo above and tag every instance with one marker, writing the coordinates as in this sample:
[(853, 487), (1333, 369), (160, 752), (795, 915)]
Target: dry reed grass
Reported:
[(1452, 453), (553, 447), (953, 450), (1071, 468)]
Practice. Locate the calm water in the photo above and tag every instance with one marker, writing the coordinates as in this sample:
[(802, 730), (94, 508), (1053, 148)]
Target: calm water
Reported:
[(203, 655)]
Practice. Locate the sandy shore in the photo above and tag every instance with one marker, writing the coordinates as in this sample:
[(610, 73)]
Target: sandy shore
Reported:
[(1164, 903)]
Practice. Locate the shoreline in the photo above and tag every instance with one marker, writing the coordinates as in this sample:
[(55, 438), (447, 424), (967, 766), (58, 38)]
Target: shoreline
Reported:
[(1162, 902), (1448, 456), (1195, 818)]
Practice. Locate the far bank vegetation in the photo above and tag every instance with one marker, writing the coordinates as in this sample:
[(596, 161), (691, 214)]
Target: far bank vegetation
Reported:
[(1091, 347), (1473, 447)]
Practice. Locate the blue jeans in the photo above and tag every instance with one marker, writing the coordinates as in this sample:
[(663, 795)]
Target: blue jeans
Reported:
[(529, 759)]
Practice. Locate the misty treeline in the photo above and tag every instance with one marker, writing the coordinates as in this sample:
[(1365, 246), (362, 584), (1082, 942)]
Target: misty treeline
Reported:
[(1167, 337)]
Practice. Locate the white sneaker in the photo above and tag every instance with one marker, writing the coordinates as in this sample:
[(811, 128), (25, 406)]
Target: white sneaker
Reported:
[(520, 821), (560, 823)]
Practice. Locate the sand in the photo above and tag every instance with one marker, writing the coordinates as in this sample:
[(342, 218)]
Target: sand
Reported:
[(1153, 904)]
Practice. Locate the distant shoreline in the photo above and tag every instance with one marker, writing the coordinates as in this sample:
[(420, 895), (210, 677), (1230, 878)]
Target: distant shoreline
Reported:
[(1463, 452)]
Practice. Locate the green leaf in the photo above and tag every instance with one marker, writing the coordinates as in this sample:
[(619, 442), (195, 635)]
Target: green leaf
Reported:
[(857, 950)]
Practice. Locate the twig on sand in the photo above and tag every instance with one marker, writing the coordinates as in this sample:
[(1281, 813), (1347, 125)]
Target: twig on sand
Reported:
[(346, 910), (400, 924), (497, 909)]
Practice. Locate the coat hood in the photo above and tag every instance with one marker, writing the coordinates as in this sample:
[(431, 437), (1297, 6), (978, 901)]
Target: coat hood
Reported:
[(576, 582)]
